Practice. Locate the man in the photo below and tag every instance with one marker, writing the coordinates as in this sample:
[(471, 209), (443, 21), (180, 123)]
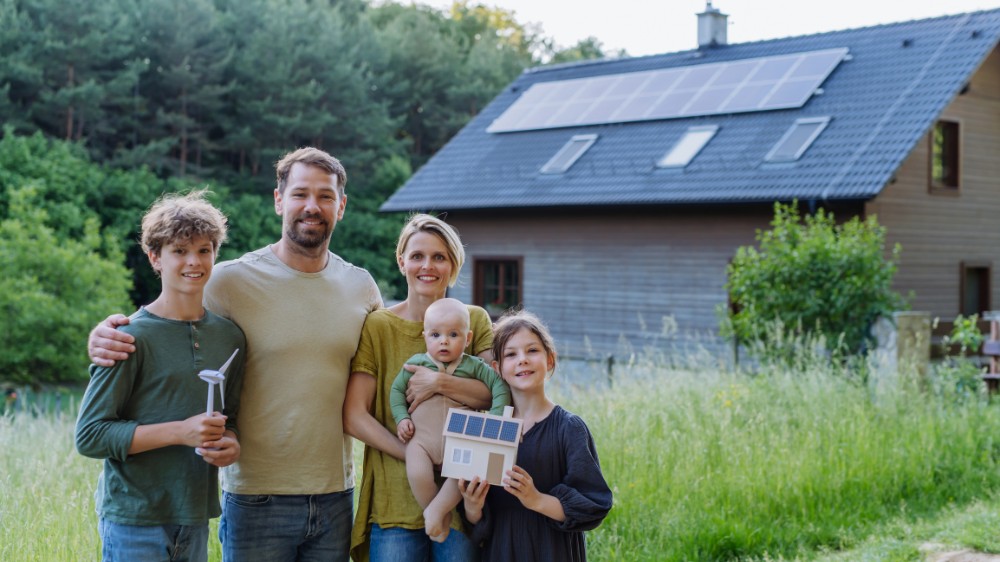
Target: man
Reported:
[(302, 308)]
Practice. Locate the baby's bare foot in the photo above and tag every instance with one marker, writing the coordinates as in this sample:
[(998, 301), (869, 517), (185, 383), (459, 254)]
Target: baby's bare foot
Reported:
[(437, 525)]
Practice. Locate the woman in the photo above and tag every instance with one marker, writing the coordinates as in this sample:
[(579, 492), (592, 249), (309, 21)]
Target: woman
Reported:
[(388, 526)]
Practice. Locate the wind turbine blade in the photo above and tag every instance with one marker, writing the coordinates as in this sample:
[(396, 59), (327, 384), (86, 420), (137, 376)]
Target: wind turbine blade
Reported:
[(226, 364)]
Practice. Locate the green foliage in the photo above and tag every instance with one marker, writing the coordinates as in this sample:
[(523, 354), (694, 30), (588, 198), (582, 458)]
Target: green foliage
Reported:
[(814, 276), (52, 291), (216, 91), (961, 375)]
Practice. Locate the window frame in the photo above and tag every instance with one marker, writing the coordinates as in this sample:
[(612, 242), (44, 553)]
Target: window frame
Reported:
[(942, 186), (552, 167), (478, 279), (689, 136), (823, 122), (985, 289)]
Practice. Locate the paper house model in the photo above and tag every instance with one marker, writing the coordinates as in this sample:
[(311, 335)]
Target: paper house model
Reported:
[(478, 444)]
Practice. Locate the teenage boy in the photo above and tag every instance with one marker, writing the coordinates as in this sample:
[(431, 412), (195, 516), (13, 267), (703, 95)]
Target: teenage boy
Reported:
[(145, 416)]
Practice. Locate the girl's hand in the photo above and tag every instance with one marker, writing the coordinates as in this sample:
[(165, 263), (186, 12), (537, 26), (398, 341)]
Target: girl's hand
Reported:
[(521, 486), (474, 496)]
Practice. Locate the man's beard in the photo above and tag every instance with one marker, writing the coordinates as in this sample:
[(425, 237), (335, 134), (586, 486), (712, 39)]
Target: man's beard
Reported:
[(319, 235)]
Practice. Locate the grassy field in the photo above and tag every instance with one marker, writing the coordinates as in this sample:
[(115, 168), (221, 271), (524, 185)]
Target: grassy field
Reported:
[(705, 465)]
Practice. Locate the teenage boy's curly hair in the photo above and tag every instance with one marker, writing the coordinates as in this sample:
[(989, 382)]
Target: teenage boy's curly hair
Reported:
[(175, 217)]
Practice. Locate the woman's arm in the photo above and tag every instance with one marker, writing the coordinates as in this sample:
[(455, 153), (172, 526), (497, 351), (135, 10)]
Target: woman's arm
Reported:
[(427, 382), (359, 422)]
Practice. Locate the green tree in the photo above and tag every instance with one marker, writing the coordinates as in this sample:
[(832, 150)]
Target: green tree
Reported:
[(52, 291), (585, 49), (814, 277)]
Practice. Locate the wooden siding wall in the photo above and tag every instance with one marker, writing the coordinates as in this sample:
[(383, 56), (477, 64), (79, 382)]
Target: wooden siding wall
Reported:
[(610, 279), (939, 231)]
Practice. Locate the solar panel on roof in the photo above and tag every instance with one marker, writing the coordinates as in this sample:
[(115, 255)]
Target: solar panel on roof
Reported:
[(457, 422), (778, 82), (475, 426), (492, 428), (509, 432)]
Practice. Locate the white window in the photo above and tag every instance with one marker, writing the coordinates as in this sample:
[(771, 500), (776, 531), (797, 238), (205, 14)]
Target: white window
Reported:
[(797, 139), (461, 456), (688, 146), (568, 154)]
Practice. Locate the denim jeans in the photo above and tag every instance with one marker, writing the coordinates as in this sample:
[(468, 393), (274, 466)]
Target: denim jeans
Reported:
[(153, 543), (396, 544), (286, 528)]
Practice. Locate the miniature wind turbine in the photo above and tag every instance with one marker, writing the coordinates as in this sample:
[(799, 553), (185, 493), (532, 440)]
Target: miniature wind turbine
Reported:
[(213, 377)]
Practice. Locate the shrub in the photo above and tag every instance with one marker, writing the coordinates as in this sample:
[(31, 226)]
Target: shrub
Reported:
[(52, 291), (814, 277)]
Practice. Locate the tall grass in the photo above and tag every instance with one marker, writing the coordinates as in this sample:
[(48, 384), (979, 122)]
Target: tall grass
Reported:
[(716, 466), (46, 491), (705, 465)]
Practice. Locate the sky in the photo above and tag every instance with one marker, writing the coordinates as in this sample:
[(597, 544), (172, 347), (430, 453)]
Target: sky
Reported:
[(647, 27)]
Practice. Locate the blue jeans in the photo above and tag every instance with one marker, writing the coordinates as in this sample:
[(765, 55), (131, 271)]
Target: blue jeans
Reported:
[(396, 544), (286, 528), (155, 543)]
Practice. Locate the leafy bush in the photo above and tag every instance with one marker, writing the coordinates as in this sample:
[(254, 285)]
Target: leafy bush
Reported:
[(813, 276), (53, 289), (959, 374)]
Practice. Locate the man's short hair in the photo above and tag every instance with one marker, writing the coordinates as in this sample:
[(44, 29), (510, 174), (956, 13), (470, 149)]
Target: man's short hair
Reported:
[(175, 217), (311, 157)]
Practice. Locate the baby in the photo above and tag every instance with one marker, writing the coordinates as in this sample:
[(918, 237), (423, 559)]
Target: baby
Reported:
[(447, 334)]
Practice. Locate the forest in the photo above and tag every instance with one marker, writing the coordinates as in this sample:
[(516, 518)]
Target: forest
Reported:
[(107, 104)]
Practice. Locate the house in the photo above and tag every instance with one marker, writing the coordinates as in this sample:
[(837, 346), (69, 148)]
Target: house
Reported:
[(609, 196), (479, 444)]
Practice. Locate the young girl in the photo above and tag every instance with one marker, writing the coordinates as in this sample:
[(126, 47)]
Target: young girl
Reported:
[(556, 491)]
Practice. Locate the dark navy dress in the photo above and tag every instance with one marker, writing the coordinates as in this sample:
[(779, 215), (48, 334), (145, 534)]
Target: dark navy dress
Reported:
[(559, 455)]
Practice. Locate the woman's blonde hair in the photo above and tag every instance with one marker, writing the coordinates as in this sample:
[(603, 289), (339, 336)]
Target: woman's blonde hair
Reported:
[(433, 225)]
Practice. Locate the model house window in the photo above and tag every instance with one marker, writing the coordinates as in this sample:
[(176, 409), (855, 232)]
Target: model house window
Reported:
[(688, 146), (944, 155), (975, 289), (797, 139), (461, 456), (568, 154), (497, 284)]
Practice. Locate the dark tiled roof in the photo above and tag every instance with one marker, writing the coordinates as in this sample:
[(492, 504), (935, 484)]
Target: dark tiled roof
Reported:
[(881, 101)]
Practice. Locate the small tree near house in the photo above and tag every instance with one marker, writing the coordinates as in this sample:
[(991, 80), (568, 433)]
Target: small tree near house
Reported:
[(814, 277)]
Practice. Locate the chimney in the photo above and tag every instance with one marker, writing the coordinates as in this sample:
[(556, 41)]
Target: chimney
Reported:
[(711, 27)]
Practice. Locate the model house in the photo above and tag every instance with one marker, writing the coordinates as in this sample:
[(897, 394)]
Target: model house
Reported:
[(609, 196), (478, 444)]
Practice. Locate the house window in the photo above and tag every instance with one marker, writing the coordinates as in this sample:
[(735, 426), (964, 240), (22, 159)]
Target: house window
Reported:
[(497, 284), (797, 139), (688, 146), (944, 155), (975, 289), (568, 154)]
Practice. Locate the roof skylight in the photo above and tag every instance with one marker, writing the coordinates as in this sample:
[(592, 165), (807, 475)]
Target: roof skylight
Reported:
[(797, 139), (568, 154), (688, 146)]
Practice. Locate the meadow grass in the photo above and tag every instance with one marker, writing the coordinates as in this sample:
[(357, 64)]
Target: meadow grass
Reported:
[(802, 464), (711, 465)]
